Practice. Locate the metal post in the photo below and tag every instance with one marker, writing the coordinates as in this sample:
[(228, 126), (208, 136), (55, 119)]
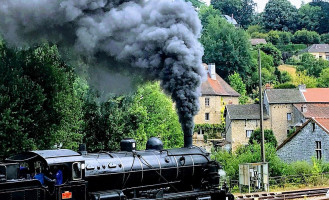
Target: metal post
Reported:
[(261, 105)]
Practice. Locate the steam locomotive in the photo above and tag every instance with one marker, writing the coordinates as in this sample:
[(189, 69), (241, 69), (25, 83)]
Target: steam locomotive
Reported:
[(155, 173)]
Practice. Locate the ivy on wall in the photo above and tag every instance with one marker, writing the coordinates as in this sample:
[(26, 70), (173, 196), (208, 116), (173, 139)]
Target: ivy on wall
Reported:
[(212, 131)]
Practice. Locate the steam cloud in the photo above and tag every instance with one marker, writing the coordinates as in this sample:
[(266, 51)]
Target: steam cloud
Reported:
[(160, 36)]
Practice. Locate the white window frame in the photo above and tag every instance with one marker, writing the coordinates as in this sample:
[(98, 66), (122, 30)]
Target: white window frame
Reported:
[(289, 116), (207, 101), (248, 133)]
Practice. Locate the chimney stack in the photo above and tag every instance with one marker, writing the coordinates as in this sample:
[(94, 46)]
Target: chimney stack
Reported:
[(302, 87), (212, 71), (304, 108)]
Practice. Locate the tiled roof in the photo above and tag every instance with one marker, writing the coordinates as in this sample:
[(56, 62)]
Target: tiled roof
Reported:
[(317, 95), (314, 110), (217, 87), (256, 41), (230, 19), (316, 48), (249, 111), (284, 96), (324, 122)]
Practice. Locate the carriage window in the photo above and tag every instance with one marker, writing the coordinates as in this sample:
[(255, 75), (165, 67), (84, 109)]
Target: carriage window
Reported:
[(76, 171)]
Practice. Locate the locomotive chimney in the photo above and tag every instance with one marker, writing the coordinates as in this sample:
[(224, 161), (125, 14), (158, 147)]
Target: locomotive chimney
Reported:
[(82, 149)]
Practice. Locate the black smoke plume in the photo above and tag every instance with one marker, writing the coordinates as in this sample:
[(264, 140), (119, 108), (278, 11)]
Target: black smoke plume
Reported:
[(159, 36)]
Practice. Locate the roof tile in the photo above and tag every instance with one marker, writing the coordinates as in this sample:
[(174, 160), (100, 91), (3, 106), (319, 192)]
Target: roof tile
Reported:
[(249, 111), (316, 95), (284, 96)]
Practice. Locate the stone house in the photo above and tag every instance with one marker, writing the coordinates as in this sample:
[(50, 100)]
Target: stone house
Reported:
[(303, 112), (310, 140), (318, 51), (241, 121), (216, 93)]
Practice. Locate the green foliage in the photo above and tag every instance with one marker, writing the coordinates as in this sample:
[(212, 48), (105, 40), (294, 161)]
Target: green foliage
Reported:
[(213, 131), (311, 65), (284, 85), (249, 154), (302, 78), (309, 17), (306, 37), (255, 29), (238, 85), (227, 47), (207, 12), (279, 37), (324, 16), (323, 80), (280, 15), (196, 3), (258, 35), (325, 38), (147, 113), (268, 136), (242, 10), (271, 50), (291, 48), (285, 77), (39, 105)]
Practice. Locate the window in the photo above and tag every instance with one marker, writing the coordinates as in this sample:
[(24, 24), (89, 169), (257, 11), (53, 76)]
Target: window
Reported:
[(327, 57), (207, 117), (201, 132), (318, 150), (248, 133), (289, 116), (320, 57), (313, 126), (76, 171), (206, 101)]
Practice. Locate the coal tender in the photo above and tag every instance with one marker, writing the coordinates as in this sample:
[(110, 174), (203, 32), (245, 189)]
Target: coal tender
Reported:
[(155, 173)]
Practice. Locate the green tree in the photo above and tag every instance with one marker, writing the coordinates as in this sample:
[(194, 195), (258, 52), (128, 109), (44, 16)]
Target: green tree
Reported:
[(205, 13), (324, 16), (324, 78), (271, 50), (239, 86), (227, 47), (269, 137), (309, 17), (39, 104), (306, 37), (279, 37), (258, 35), (312, 65), (255, 29), (242, 10), (325, 38), (196, 3), (280, 15)]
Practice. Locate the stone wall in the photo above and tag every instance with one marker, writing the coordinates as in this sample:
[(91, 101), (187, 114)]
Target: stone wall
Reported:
[(279, 122), (303, 145), (237, 131)]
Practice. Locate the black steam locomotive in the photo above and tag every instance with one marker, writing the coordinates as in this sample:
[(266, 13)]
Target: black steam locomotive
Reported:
[(184, 173)]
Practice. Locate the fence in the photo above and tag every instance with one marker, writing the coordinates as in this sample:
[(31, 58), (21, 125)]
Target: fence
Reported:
[(289, 181)]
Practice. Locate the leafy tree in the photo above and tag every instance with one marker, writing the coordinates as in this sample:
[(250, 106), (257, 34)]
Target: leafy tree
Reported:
[(285, 85), (206, 12), (324, 78), (239, 86), (279, 37), (255, 29), (285, 77), (325, 38), (39, 104), (324, 16), (196, 3), (306, 37), (270, 49), (227, 47), (268, 137), (301, 77), (280, 15), (258, 35), (309, 17), (312, 65), (242, 10)]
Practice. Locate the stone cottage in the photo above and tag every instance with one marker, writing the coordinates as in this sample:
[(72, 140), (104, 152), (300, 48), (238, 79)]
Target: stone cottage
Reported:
[(241, 121), (310, 140), (216, 93)]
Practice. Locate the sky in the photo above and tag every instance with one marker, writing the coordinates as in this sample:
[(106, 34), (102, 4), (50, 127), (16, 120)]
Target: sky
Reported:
[(261, 3)]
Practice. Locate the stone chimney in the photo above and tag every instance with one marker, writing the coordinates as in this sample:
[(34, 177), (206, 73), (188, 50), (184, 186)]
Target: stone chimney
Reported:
[(302, 87), (304, 108), (212, 71)]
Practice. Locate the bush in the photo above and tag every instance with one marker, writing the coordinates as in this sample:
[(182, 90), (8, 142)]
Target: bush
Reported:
[(292, 48), (268, 135), (286, 85), (325, 38), (306, 37)]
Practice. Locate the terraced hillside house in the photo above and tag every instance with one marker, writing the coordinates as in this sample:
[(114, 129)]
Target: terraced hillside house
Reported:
[(318, 51), (310, 140), (216, 93)]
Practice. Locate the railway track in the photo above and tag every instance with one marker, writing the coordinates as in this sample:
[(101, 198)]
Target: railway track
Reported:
[(285, 195)]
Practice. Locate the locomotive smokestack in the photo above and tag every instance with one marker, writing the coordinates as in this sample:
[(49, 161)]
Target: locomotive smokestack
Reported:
[(158, 36)]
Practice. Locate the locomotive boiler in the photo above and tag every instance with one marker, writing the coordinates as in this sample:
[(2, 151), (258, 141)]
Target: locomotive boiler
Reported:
[(154, 173)]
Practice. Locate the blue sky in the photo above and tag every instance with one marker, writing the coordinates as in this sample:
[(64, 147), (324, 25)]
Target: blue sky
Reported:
[(261, 3)]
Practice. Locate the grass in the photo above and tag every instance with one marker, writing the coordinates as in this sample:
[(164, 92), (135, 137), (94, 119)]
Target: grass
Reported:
[(288, 68)]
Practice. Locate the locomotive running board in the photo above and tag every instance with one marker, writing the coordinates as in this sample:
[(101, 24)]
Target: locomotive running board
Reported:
[(182, 195)]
